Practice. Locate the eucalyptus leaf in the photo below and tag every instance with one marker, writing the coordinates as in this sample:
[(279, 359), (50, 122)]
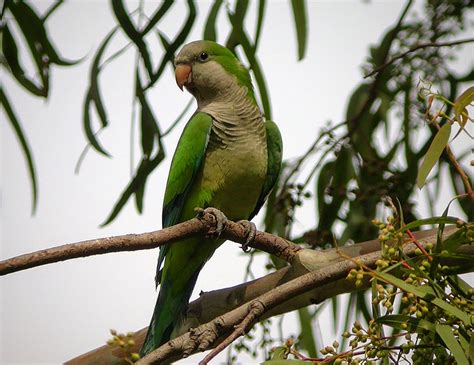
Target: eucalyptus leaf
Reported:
[(210, 27), (446, 334), (301, 25), (24, 146), (434, 152), (465, 99)]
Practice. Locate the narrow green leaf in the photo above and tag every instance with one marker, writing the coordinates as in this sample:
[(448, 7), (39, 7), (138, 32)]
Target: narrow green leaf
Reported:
[(33, 28), (426, 293), (446, 334), (91, 136), (308, 341), (51, 10), (434, 152), (414, 324), (260, 17), (210, 27), (24, 146), (143, 171), (240, 12), (362, 306), (471, 349), (148, 123), (463, 339), (348, 310), (335, 311), (156, 17), (248, 48), (34, 45), (301, 25), (149, 133), (10, 52), (439, 244), (173, 47), (460, 104), (135, 36), (429, 221), (93, 96)]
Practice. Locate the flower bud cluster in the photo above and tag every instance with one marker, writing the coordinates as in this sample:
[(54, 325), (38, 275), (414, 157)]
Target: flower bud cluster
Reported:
[(126, 343)]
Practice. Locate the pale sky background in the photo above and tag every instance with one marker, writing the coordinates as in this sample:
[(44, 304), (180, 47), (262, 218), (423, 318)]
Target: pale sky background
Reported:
[(53, 313)]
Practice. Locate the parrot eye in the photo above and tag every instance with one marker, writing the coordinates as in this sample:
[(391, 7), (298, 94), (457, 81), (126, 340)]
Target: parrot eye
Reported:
[(203, 56)]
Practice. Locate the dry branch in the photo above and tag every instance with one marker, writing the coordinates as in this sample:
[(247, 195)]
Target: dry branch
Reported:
[(203, 225), (212, 306)]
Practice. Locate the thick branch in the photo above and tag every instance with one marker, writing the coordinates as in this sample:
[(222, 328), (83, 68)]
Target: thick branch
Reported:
[(202, 225), (230, 324), (214, 304)]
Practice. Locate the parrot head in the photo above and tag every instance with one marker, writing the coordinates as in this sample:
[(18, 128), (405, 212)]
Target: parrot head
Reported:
[(207, 70)]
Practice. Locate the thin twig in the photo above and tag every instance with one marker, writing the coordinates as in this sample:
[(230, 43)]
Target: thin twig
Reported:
[(416, 48)]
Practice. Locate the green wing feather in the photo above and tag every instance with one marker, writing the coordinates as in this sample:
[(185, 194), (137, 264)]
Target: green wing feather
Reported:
[(275, 152), (186, 163)]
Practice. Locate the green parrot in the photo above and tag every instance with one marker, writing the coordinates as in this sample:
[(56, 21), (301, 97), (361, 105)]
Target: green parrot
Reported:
[(227, 157)]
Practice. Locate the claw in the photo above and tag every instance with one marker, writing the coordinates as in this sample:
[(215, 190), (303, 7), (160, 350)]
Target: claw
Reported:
[(250, 232), (220, 218)]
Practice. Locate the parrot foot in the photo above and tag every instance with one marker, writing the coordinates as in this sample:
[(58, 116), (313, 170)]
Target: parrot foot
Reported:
[(250, 233), (219, 217)]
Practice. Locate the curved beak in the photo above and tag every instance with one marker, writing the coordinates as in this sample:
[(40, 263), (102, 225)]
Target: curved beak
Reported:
[(183, 75)]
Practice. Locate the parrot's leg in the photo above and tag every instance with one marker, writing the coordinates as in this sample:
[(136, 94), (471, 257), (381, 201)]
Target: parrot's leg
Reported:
[(250, 233), (220, 218)]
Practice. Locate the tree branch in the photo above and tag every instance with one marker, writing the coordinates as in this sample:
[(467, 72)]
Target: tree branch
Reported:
[(231, 324), (202, 225), (214, 304), (416, 48)]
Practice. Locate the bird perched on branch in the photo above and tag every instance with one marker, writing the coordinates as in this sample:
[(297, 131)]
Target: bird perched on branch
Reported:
[(228, 157)]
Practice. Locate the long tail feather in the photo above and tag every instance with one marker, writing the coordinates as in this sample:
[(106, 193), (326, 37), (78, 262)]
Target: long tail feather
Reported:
[(169, 311)]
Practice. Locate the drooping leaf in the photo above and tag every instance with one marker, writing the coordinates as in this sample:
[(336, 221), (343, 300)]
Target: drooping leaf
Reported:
[(131, 31), (429, 221), (210, 27), (51, 10), (426, 293), (434, 152), (143, 170), (242, 39), (35, 33), (301, 25), (460, 105), (10, 52), (260, 17), (446, 334), (168, 57), (399, 321), (156, 17), (240, 12), (24, 146), (471, 348), (148, 123), (150, 137), (307, 339), (93, 97)]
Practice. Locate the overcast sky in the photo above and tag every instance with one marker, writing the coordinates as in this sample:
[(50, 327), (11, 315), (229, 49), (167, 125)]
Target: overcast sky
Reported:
[(53, 313)]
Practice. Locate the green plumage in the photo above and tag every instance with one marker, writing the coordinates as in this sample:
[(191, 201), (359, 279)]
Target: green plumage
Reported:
[(228, 157)]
